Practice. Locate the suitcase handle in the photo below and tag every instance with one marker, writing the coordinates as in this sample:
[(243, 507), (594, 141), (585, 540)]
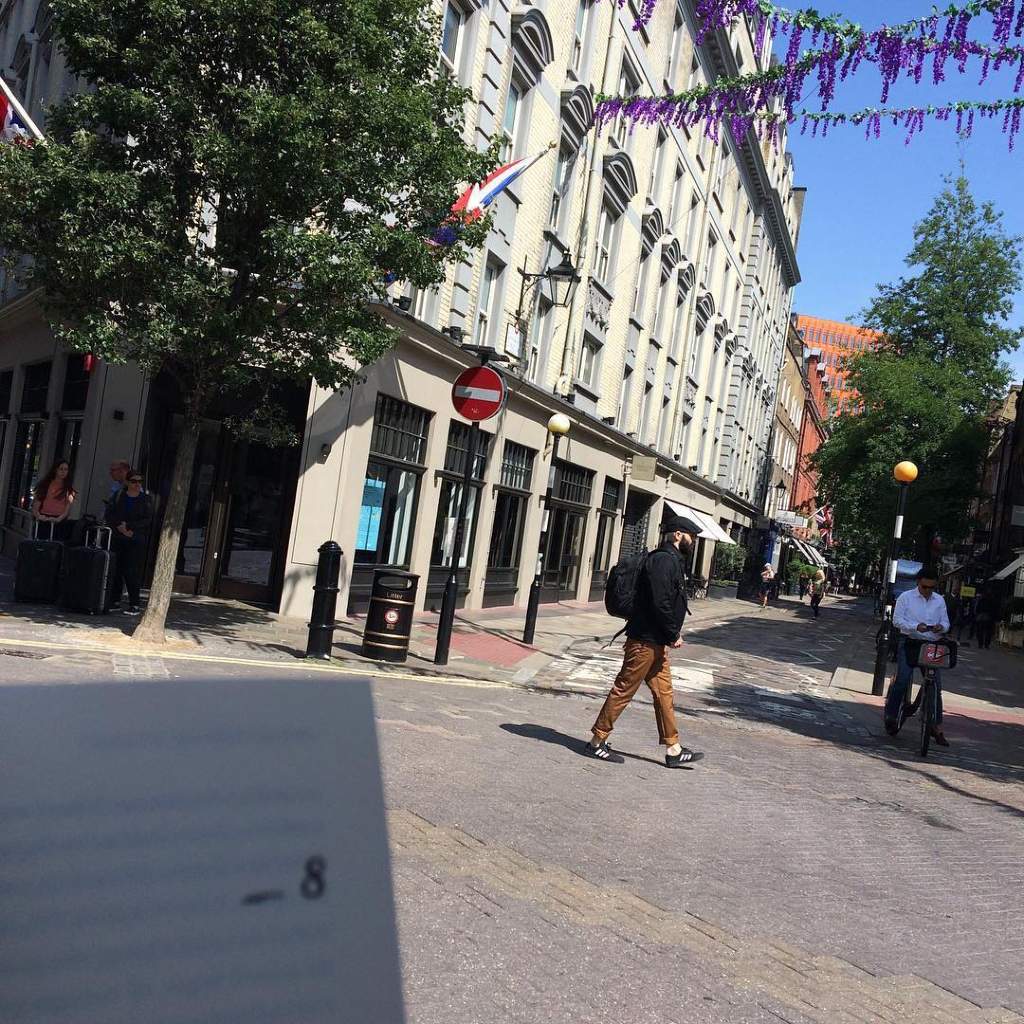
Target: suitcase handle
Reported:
[(98, 532), (35, 528)]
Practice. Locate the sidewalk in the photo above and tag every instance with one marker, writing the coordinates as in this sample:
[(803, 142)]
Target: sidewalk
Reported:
[(486, 644)]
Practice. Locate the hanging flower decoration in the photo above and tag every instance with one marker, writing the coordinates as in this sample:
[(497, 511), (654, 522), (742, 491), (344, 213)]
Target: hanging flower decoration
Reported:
[(767, 99)]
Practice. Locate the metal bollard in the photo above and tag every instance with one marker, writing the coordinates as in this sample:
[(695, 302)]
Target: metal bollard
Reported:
[(325, 600)]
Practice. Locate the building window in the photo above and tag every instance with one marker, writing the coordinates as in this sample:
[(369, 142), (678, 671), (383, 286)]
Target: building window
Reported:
[(590, 357), (76, 385), (69, 440), (604, 243), (510, 122), (392, 482), (709, 261), (691, 228), (640, 292), (490, 296), (624, 395), (723, 166), (674, 52), (452, 30), (678, 186), (35, 387), (28, 444), (579, 38), (6, 387), (629, 85), (563, 179), (573, 483), (645, 409), (610, 500), (696, 75), (657, 167), (450, 497), (510, 507)]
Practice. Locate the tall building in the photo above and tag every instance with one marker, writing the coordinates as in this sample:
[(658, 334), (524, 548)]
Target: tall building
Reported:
[(837, 343), (666, 358)]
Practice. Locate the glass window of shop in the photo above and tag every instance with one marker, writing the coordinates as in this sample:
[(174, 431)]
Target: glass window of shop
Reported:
[(511, 503)]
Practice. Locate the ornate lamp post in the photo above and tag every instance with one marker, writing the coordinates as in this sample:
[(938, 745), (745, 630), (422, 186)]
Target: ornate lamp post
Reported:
[(558, 427)]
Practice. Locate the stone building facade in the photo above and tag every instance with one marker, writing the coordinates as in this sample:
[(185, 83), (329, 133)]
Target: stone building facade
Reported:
[(667, 359)]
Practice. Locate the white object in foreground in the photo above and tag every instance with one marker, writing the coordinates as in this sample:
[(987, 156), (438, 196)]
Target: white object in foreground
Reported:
[(194, 853)]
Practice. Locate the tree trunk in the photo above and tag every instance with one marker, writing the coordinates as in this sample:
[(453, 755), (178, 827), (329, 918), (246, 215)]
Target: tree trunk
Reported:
[(151, 628)]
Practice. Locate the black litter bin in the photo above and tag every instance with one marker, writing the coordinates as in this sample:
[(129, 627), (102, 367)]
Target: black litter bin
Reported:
[(389, 617)]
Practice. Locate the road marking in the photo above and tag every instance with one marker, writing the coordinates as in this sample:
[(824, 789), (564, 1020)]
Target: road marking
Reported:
[(210, 659)]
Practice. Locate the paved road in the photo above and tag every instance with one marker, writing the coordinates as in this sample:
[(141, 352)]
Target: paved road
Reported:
[(808, 870)]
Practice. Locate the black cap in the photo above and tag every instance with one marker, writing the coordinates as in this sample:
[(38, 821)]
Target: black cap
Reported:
[(673, 523)]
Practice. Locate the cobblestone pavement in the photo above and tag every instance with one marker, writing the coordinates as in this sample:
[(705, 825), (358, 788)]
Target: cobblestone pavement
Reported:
[(808, 870)]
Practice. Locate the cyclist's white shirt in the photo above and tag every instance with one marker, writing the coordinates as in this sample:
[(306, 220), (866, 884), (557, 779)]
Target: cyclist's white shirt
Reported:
[(912, 609)]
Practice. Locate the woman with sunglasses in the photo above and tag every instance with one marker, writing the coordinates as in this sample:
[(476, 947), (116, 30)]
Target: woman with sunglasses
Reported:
[(130, 516)]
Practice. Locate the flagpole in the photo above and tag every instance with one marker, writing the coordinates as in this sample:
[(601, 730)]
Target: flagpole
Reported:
[(20, 110)]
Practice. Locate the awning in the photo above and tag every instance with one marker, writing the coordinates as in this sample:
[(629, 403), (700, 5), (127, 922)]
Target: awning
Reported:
[(1009, 570), (711, 531), (818, 557)]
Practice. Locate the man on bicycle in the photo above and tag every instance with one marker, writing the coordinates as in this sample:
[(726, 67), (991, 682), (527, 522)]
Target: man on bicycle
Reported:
[(920, 614)]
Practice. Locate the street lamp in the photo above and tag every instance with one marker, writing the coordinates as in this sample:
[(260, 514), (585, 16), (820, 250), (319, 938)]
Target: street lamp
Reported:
[(562, 281), (558, 427), (904, 473), (780, 490)]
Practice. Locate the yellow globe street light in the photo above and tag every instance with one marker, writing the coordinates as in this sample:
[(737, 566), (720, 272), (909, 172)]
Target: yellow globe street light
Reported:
[(559, 424), (905, 472)]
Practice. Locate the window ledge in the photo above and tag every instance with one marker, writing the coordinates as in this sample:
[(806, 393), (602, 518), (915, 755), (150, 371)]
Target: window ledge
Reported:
[(585, 389)]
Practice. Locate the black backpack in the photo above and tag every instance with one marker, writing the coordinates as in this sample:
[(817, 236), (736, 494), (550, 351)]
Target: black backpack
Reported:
[(623, 582)]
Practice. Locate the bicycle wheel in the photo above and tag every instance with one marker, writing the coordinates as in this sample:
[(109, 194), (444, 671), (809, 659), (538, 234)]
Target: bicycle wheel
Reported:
[(927, 713)]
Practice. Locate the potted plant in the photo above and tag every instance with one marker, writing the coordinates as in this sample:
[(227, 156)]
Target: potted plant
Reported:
[(726, 570)]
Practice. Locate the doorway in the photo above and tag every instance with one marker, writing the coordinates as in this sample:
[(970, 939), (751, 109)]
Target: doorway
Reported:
[(562, 557), (238, 517), (636, 522)]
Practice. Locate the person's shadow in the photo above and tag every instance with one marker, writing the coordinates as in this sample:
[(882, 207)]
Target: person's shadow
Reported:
[(545, 734)]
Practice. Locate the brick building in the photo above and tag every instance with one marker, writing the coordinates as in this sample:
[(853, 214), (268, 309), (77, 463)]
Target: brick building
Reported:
[(837, 343)]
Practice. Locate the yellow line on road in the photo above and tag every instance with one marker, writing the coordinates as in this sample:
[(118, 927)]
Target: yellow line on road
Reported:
[(375, 671)]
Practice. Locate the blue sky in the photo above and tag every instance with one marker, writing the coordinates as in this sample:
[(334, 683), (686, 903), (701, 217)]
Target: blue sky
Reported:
[(864, 196)]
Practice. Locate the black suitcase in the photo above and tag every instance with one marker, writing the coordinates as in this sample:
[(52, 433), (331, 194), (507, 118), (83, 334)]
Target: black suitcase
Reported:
[(37, 572), (89, 574)]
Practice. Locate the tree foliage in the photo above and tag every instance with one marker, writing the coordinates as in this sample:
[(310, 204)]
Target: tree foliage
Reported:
[(927, 389), (231, 190)]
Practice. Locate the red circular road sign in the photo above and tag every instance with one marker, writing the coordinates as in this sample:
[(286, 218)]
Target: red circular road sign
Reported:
[(478, 393)]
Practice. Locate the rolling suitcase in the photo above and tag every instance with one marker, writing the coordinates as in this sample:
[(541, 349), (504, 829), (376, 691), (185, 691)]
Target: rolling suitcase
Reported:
[(37, 572), (89, 574)]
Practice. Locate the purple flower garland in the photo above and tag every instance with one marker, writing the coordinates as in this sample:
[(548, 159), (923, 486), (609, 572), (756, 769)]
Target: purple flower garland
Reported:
[(769, 98)]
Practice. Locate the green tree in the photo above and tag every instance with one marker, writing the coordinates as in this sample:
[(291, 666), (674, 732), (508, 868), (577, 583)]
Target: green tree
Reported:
[(927, 389), (231, 192)]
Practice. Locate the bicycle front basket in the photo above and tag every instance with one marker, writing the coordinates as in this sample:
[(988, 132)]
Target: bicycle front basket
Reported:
[(936, 655)]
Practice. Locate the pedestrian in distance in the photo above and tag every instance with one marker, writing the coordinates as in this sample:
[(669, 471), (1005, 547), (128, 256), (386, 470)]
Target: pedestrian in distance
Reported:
[(130, 516), (119, 469), (818, 585), (802, 586), (765, 592), (965, 621), (53, 497), (654, 626), (985, 618)]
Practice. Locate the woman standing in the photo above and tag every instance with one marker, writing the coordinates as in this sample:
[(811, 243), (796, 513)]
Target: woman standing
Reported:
[(53, 497), (130, 516)]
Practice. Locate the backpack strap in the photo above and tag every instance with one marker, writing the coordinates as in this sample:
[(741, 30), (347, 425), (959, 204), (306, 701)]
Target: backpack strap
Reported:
[(616, 637)]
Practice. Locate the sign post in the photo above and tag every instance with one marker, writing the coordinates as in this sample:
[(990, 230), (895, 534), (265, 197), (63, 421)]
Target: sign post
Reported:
[(477, 394)]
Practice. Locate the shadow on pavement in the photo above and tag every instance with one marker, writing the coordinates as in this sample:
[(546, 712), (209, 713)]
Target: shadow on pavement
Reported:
[(545, 734)]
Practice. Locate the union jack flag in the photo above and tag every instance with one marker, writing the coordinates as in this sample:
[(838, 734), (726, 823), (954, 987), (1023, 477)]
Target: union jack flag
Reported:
[(823, 517), (15, 124)]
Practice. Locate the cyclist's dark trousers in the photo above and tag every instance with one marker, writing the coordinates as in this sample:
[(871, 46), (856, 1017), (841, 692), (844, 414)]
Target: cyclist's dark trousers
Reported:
[(898, 690)]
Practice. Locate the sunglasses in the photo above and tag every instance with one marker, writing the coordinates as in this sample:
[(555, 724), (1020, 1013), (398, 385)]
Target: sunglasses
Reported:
[(135, 479), (927, 586)]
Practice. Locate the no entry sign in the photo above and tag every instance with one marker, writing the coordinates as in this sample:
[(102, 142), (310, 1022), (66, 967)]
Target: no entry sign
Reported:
[(478, 393)]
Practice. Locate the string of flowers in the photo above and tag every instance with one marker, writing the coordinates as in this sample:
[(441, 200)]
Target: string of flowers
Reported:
[(779, 85), (963, 113), (896, 50)]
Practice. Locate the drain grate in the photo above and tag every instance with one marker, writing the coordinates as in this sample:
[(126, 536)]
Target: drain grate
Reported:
[(10, 653)]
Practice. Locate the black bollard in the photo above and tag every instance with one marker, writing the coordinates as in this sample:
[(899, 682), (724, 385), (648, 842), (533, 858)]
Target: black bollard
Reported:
[(325, 600)]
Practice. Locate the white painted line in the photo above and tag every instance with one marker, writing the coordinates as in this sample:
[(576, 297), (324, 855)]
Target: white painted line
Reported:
[(485, 394)]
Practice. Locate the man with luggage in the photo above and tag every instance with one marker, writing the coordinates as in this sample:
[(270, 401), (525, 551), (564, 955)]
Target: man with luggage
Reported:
[(654, 627), (130, 516)]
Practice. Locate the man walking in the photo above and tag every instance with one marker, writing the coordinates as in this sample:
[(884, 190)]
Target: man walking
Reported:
[(818, 585), (659, 611)]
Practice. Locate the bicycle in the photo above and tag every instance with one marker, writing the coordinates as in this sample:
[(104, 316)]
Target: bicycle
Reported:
[(696, 589), (927, 655)]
